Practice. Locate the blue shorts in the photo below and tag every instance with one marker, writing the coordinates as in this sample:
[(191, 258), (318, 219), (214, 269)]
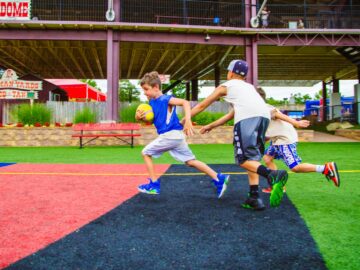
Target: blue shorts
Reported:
[(286, 153)]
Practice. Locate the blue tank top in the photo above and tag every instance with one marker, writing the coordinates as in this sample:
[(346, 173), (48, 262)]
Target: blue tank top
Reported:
[(160, 109)]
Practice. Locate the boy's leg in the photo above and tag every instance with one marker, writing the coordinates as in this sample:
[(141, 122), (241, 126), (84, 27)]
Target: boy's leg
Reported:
[(154, 149), (249, 136), (253, 201), (219, 180), (276, 178), (269, 162)]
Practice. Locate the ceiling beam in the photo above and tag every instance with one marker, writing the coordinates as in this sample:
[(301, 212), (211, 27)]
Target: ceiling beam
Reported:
[(82, 53), (195, 54), (131, 64), (14, 59), (178, 56), (71, 55), (98, 63), (145, 62), (58, 58), (198, 64)]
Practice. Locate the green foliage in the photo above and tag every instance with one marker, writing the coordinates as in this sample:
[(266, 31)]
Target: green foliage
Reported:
[(127, 114), (274, 102), (85, 116), (178, 91), (91, 83), (206, 118), (29, 115), (128, 91), (300, 99)]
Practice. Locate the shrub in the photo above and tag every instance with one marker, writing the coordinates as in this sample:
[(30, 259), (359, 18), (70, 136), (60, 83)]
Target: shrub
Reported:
[(37, 113), (127, 114), (205, 118), (85, 116)]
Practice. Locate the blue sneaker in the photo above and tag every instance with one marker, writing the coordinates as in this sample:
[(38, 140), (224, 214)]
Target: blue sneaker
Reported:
[(151, 188), (221, 185)]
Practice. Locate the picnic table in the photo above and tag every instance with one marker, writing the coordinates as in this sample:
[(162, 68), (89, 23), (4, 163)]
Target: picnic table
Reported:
[(97, 130)]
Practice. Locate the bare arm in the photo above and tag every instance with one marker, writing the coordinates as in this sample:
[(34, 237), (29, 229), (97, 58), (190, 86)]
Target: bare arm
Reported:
[(188, 128), (295, 123), (219, 122), (214, 96)]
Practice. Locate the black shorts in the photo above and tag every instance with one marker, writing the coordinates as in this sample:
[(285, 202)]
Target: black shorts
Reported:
[(249, 139)]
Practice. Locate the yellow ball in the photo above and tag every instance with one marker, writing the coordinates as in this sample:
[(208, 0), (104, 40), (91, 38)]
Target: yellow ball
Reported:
[(146, 108)]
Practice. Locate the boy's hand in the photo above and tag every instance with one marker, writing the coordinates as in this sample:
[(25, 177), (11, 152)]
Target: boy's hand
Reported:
[(205, 129), (139, 115), (188, 128), (303, 124)]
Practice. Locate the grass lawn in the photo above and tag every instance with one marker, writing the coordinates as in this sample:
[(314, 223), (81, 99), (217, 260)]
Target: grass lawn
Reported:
[(332, 214)]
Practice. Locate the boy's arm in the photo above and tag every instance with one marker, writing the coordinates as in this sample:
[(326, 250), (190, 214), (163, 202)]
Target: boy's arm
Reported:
[(219, 122), (188, 128), (295, 123), (214, 96)]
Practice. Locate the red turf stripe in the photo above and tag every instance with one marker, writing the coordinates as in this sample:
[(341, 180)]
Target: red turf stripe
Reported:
[(40, 209)]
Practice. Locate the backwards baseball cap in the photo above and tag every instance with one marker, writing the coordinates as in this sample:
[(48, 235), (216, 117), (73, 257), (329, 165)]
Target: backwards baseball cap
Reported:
[(239, 67)]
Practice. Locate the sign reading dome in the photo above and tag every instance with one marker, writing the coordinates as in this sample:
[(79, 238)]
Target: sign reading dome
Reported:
[(15, 10)]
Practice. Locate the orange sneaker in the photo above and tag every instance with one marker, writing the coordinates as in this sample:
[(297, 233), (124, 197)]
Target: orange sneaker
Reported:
[(269, 189), (331, 173)]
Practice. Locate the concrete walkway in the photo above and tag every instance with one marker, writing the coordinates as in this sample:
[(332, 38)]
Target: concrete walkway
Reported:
[(325, 137)]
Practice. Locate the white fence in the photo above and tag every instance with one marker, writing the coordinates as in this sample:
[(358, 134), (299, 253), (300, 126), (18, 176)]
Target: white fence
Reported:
[(64, 112)]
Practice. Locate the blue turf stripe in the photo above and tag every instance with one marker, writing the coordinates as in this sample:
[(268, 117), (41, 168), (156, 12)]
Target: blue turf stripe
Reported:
[(6, 164)]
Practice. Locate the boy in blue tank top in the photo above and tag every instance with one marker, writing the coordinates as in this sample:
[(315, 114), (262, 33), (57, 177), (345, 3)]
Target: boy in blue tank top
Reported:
[(171, 135)]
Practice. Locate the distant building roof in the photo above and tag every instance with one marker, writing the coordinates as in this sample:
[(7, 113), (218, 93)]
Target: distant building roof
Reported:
[(79, 91)]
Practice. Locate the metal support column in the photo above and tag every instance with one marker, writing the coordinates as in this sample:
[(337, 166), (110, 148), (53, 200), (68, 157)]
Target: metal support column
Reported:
[(250, 11), (324, 96), (112, 74), (187, 93), (217, 75), (194, 90), (252, 59)]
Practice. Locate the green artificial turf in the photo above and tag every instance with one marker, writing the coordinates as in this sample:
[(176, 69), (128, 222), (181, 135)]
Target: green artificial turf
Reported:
[(332, 214)]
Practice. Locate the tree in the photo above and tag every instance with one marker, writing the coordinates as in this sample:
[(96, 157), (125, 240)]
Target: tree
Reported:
[(91, 83), (128, 91), (178, 91), (300, 99)]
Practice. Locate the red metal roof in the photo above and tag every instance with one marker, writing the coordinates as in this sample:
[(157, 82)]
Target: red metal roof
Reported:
[(78, 91)]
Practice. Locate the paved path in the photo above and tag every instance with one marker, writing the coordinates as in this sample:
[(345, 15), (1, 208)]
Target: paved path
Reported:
[(325, 137)]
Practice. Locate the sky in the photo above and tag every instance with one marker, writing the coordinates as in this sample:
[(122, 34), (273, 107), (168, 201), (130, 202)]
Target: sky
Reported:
[(278, 93)]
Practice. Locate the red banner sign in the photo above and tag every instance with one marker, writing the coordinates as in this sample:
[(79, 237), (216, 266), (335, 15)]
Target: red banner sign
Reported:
[(15, 10)]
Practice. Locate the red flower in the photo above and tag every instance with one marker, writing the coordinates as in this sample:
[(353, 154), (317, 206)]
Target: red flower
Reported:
[(68, 124), (19, 124), (37, 124), (57, 124)]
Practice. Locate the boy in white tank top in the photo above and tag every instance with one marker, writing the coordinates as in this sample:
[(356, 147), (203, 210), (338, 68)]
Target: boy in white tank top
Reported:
[(251, 119)]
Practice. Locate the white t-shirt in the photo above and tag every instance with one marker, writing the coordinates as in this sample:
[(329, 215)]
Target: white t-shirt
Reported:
[(245, 100), (280, 132)]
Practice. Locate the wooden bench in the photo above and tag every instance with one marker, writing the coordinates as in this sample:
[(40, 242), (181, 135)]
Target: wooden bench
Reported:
[(116, 130)]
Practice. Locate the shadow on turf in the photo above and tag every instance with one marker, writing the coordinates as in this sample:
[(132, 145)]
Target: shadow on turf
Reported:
[(186, 227)]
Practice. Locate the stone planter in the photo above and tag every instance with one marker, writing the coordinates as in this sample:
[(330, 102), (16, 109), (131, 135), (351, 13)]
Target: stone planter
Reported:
[(61, 136), (349, 133)]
